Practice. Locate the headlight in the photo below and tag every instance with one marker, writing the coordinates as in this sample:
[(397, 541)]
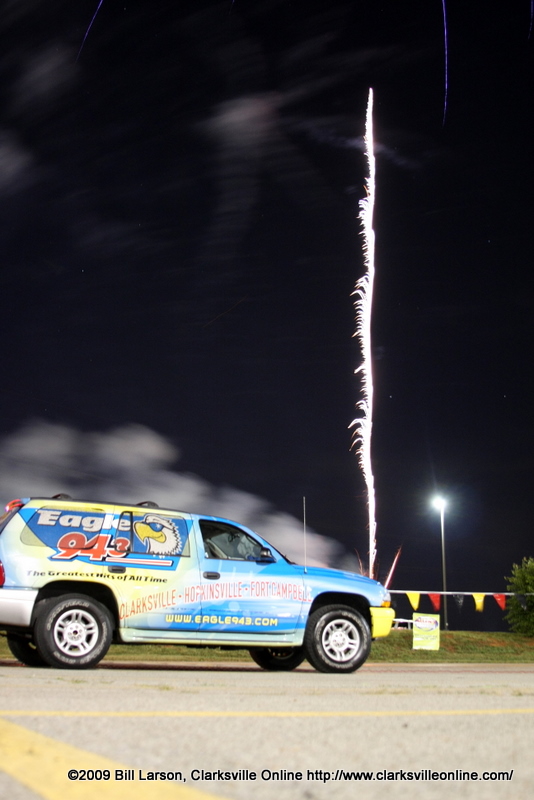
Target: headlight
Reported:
[(386, 602)]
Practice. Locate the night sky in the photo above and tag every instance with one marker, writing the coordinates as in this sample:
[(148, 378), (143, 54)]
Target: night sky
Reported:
[(179, 240)]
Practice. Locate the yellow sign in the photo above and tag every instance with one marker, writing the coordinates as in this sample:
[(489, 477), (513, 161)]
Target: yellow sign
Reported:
[(425, 631)]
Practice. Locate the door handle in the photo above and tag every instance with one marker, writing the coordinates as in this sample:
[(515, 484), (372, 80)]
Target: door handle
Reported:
[(212, 576), (117, 569)]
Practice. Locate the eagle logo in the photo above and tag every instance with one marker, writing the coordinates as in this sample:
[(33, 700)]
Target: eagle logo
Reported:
[(160, 535)]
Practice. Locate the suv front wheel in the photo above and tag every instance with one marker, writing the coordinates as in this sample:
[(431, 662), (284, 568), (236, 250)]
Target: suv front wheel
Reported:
[(25, 651), (72, 631), (337, 639)]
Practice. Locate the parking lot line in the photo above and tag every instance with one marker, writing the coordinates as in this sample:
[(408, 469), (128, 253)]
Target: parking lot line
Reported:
[(42, 764), (256, 714)]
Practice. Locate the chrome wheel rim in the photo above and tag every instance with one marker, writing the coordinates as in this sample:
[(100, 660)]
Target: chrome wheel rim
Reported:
[(76, 632), (341, 640)]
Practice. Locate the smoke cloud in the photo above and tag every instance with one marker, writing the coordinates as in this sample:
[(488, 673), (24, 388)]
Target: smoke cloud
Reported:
[(132, 463)]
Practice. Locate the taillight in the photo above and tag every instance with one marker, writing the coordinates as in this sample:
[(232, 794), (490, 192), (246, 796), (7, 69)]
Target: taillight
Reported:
[(2, 574), (13, 505)]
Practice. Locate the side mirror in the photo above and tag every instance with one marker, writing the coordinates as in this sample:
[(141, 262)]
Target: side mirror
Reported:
[(265, 555)]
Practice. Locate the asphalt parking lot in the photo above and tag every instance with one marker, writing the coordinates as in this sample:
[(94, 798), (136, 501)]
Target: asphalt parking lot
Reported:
[(232, 730)]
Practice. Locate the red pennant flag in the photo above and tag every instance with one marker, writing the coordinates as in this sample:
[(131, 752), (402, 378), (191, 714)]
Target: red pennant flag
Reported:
[(500, 599), (435, 599)]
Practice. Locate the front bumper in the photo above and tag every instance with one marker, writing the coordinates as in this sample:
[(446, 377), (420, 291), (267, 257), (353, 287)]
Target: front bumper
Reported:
[(16, 607), (381, 621)]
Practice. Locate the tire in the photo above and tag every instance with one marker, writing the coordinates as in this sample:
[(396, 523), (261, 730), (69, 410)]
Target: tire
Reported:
[(277, 659), (337, 639), (73, 631), (25, 651)]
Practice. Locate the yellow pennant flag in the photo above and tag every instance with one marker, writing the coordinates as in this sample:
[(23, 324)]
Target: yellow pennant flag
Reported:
[(479, 601), (414, 598)]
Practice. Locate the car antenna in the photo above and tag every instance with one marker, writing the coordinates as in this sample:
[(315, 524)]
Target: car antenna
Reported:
[(304, 531)]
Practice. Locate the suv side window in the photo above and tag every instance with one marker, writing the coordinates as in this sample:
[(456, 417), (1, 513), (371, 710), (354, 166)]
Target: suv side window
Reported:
[(222, 540)]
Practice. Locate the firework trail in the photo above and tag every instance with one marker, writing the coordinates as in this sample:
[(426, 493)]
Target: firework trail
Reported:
[(392, 568), (88, 29), (446, 50), (363, 291)]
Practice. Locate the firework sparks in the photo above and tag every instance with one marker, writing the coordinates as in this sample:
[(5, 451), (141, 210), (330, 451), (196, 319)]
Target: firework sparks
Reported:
[(363, 292)]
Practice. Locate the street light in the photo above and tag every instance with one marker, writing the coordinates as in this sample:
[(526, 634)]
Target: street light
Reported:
[(440, 504)]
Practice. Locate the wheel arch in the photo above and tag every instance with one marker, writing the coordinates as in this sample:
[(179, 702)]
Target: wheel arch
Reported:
[(96, 591), (355, 601)]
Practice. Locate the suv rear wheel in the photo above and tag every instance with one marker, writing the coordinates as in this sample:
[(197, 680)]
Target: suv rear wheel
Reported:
[(72, 631)]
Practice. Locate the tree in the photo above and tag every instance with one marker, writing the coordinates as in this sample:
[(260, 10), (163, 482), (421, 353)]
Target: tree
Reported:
[(520, 609)]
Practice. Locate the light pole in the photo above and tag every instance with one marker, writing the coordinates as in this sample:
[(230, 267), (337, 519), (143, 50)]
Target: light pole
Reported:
[(440, 504)]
